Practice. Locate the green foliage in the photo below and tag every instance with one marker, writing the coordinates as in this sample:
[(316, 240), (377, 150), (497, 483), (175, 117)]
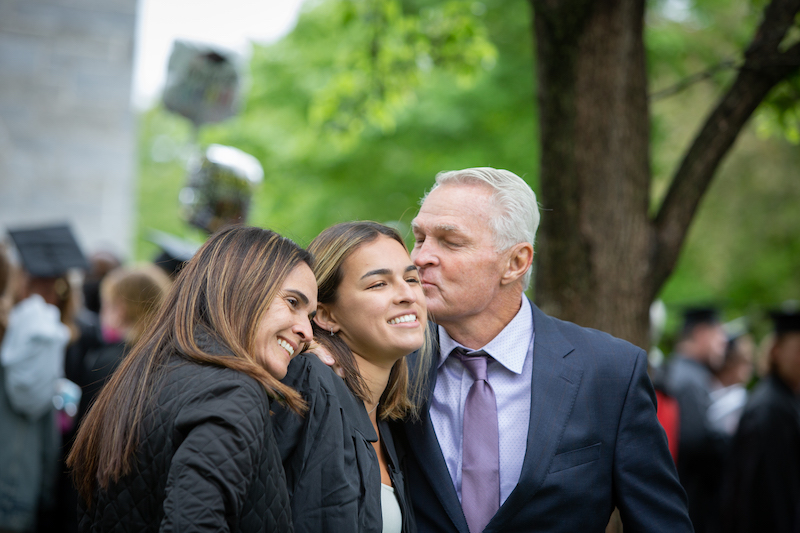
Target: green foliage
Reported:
[(478, 113), (347, 130), (780, 114), (384, 58)]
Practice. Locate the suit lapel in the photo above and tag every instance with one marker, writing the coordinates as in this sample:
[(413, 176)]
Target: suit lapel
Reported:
[(425, 447), (554, 386)]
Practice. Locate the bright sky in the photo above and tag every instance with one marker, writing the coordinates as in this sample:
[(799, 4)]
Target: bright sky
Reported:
[(228, 23)]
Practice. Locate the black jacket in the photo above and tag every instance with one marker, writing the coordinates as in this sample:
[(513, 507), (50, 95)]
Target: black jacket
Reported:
[(332, 469), (761, 490), (701, 447), (207, 461)]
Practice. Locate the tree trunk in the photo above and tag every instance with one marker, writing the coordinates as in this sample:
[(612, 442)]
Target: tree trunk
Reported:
[(594, 249), (601, 259)]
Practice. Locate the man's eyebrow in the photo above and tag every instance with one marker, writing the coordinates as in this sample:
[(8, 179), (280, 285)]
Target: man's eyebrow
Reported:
[(299, 294), (446, 227), (440, 227)]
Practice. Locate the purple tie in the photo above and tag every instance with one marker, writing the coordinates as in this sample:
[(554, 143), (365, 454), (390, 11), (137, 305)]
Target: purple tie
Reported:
[(480, 463)]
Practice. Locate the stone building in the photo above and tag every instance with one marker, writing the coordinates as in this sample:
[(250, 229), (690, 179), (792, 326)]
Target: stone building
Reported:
[(67, 139)]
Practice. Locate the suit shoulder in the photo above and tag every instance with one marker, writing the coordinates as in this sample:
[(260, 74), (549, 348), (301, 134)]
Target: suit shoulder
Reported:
[(594, 340)]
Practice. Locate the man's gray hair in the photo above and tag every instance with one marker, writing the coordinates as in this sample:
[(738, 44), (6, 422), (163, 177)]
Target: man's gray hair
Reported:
[(516, 216)]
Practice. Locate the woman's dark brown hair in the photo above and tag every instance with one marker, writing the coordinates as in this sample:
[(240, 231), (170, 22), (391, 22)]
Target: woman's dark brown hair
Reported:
[(223, 292), (331, 248)]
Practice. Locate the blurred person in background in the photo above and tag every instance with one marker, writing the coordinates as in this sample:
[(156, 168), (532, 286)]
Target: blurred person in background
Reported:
[(101, 263), (87, 318), (130, 298), (761, 489), (180, 438), (666, 406), (689, 379), (733, 376), (38, 329)]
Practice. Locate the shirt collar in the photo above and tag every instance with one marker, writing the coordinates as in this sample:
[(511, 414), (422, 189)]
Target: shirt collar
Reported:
[(509, 347)]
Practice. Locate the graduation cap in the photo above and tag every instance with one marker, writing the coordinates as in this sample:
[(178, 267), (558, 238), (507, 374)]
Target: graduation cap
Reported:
[(48, 252), (175, 252), (787, 319), (695, 316)]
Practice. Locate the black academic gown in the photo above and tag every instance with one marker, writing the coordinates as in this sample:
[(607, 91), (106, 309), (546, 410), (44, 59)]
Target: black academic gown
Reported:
[(701, 447), (761, 490)]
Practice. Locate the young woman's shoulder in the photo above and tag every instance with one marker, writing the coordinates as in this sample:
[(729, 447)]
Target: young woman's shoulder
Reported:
[(314, 379), (198, 390), (330, 404)]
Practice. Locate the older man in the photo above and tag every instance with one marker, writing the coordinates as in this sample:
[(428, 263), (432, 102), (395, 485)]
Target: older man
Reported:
[(532, 423)]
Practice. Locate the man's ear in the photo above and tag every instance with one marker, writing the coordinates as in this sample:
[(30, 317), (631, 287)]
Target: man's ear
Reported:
[(520, 257), (324, 318)]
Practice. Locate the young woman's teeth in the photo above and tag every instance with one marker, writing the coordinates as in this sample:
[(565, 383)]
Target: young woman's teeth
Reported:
[(404, 318), (286, 346)]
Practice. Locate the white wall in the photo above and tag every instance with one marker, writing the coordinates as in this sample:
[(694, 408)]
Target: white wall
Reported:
[(67, 140)]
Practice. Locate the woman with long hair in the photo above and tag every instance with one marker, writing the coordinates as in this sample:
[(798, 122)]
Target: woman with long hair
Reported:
[(341, 465), (180, 438)]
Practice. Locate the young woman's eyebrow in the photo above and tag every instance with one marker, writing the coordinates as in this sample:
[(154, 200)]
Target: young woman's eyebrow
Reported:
[(377, 272)]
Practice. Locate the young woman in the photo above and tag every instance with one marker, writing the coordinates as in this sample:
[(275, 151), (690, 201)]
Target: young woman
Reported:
[(341, 466), (180, 438)]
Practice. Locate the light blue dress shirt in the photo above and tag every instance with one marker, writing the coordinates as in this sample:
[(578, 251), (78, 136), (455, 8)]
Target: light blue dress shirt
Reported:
[(510, 378)]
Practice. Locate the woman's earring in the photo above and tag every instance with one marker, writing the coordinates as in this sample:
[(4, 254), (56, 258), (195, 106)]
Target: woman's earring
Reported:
[(331, 332)]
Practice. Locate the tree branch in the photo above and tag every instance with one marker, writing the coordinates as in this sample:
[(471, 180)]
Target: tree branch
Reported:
[(691, 80), (763, 68)]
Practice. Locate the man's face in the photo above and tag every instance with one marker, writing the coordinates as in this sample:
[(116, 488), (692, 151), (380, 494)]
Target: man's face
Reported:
[(786, 357), (454, 251), (713, 342)]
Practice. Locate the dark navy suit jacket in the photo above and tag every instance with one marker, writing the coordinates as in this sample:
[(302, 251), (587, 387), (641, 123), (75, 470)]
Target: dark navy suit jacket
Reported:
[(593, 443)]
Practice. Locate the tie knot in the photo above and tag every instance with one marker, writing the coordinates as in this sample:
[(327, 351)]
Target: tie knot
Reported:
[(475, 362)]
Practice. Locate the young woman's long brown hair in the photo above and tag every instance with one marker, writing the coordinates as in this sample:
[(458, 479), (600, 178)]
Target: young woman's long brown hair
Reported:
[(330, 249), (223, 292)]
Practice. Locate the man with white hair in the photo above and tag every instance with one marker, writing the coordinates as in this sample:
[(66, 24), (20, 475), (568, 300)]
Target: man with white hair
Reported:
[(531, 423)]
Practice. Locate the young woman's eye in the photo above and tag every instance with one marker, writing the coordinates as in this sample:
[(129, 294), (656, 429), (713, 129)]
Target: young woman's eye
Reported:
[(293, 302), (412, 280), (376, 285)]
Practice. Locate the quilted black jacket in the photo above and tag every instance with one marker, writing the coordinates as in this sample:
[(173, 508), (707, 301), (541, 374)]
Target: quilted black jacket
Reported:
[(207, 461)]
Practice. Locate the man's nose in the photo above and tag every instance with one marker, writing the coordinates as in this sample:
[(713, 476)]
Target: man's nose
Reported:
[(423, 254)]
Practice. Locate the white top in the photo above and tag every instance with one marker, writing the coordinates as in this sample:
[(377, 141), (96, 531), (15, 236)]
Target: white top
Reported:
[(390, 510), (32, 355)]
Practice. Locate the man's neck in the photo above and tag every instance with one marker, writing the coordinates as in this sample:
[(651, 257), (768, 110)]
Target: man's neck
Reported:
[(477, 331)]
